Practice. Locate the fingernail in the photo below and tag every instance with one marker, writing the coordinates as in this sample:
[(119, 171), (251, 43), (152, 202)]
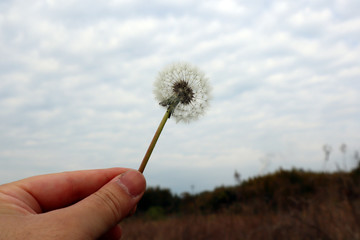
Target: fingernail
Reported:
[(133, 182)]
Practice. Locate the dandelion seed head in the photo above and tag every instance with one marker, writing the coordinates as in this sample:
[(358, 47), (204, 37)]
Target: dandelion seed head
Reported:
[(186, 85), (183, 91)]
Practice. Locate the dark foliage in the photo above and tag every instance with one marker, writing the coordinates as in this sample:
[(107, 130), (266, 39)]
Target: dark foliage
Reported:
[(280, 191)]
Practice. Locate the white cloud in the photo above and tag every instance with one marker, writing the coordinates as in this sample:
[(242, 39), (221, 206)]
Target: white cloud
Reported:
[(308, 18), (224, 7), (76, 86)]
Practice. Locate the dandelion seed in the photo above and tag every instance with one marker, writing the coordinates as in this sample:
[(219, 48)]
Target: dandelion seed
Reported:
[(185, 91)]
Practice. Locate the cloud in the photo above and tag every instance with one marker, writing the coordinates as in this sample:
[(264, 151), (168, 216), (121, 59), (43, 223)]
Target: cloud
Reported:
[(76, 86)]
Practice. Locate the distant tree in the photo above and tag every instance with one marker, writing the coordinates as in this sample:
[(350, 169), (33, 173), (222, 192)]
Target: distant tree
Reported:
[(343, 150), (188, 203), (357, 159), (237, 177), (155, 196), (327, 150), (192, 188), (222, 197), (265, 162)]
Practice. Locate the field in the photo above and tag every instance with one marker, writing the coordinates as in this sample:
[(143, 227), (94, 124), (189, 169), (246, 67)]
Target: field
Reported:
[(285, 205)]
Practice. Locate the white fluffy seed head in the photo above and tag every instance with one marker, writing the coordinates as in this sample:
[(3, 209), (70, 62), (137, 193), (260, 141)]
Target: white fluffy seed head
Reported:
[(187, 83)]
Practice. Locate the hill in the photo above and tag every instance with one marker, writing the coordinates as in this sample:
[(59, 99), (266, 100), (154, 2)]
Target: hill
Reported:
[(287, 204)]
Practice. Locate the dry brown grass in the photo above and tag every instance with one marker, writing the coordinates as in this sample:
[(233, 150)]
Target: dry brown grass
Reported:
[(319, 220), (291, 205)]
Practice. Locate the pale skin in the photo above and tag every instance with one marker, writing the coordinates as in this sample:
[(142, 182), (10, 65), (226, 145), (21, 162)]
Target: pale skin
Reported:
[(86, 204)]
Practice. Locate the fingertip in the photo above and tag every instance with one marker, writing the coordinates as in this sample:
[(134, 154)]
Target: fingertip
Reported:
[(109, 205), (133, 182)]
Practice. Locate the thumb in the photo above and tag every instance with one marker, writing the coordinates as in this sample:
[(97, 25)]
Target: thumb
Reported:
[(102, 210)]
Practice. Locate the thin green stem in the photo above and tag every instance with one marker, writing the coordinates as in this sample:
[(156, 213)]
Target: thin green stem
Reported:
[(154, 140)]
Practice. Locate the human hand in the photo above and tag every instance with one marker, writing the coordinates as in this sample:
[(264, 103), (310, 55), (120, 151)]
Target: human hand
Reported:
[(71, 205)]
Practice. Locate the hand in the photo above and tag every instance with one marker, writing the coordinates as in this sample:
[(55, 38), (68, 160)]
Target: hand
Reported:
[(71, 205)]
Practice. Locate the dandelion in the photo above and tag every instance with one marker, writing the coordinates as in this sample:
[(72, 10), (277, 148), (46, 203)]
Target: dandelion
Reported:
[(185, 91), (185, 88)]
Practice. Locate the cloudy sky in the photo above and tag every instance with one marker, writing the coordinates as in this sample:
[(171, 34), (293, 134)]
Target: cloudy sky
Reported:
[(76, 82)]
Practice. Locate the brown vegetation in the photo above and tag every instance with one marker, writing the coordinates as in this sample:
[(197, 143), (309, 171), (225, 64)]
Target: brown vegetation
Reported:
[(285, 205)]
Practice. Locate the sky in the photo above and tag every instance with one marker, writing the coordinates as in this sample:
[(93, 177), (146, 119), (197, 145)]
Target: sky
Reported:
[(76, 87)]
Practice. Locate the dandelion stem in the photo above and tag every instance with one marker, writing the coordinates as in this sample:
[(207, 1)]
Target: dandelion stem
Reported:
[(154, 140)]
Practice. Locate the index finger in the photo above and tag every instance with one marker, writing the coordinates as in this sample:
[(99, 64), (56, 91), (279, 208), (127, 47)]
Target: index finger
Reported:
[(47, 192)]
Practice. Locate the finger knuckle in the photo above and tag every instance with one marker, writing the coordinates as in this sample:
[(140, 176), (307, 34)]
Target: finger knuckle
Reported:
[(110, 201)]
